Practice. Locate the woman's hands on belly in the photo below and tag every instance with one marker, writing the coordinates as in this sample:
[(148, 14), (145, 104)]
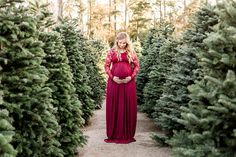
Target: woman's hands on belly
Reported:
[(120, 81), (127, 79), (117, 80)]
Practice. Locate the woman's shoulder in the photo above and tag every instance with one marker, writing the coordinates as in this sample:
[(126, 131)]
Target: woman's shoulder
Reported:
[(112, 51)]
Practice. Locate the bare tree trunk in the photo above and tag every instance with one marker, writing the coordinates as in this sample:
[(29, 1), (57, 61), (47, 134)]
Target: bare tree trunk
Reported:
[(81, 13), (115, 17), (125, 24), (164, 4), (60, 9), (160, 11), (169, 13), (89, 17), (110, 16), (154, 20), (184, 4)]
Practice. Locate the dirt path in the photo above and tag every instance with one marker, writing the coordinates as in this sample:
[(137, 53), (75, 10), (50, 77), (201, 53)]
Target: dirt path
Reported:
[(143, 147)]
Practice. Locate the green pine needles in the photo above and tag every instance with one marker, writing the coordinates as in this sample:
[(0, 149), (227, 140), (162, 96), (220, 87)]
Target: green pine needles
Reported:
[(48, 82), (210, 117), (65, 99), (77, 63), (6, 130), (25, 95)]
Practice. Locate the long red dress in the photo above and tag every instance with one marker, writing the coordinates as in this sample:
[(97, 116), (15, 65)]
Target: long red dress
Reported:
[(121, 100)]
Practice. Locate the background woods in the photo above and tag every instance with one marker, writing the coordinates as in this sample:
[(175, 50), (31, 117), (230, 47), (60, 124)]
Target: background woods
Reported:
[(104, 18)]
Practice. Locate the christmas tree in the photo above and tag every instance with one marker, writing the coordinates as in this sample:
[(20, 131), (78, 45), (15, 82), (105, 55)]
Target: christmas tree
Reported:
[(202, 23), (25, 95), (151, 49), (157, 77), (137, 48), (72, 44), (183, 73), (43, 16), (210, 117), (149, 56), (63, 93), (175, 93), (91, 59), (6, 130), (142, 76)]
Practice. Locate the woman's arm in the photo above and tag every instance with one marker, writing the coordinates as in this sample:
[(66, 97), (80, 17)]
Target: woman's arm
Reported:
[(136, 66), (108, 65)]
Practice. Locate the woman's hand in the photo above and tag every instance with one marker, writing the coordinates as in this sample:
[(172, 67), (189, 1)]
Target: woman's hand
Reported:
[(127, 79), (117, 80)]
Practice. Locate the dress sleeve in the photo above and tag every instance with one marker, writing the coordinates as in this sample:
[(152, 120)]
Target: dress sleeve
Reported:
[(136, 66), (108, 65)]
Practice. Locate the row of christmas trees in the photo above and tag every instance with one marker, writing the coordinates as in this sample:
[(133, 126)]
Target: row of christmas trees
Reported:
[(50, 82), (188, 85)]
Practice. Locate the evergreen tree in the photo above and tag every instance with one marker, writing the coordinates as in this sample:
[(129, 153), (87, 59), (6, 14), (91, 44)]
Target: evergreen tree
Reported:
[(98, 83), (137, 48), (72, 44), (202, 23), (149, 40), (61, 82), (6, 134), (25, 95), (44, 18), (157, 77), (183, 73), (6, 130), (210, 117), (146, 61), (63, 93), (91, 59), (99, 47), (175, 93), (151, 47)]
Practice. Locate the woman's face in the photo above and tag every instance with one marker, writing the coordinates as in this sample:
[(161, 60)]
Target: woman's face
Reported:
[(122, 43)]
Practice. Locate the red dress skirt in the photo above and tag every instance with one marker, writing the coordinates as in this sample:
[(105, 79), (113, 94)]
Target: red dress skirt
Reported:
[(121, 100)]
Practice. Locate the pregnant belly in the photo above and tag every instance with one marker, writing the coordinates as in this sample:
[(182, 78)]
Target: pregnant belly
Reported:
[(122, 70)]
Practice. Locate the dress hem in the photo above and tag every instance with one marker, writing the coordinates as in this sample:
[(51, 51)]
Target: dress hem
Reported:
[(119, 141)]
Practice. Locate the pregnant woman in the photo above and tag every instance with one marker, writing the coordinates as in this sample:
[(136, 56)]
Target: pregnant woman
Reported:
[(122, 65)]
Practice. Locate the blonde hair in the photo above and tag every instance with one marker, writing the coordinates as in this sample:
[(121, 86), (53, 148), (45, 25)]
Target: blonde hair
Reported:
[(128, 48)]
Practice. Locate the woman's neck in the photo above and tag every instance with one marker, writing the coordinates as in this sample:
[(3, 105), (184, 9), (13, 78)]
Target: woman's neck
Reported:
[(121, 50)]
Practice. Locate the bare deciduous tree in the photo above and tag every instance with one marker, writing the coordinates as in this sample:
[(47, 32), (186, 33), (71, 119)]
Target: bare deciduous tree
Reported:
[(60, 8)]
